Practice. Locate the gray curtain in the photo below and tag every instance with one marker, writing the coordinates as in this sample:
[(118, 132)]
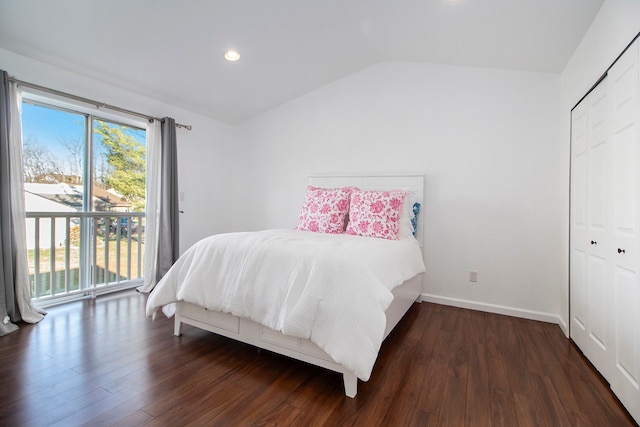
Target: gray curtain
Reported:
[(168, 233), (9, 311)]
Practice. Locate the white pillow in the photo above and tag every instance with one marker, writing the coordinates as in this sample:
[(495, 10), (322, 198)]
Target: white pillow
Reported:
[(406, 228)]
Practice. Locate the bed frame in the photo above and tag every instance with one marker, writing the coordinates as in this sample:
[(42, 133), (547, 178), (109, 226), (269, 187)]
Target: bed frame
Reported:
[(250, 332)]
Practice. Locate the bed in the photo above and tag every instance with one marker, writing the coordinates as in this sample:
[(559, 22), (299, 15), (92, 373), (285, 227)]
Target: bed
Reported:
[(343, 339)]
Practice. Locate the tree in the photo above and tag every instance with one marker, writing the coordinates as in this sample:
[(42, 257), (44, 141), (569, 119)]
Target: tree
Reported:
[(75, 159), (39, 164), (126, 163)]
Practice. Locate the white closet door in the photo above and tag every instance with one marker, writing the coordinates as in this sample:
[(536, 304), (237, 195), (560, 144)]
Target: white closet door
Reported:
[(624, 80), (579, 233), (605, 228), (591, 244)]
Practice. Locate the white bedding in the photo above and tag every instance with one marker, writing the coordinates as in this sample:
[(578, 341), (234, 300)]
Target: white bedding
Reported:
[(331, 289)]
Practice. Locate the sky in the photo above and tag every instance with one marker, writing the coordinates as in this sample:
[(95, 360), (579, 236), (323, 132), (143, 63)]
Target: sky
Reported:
[(51, 129)]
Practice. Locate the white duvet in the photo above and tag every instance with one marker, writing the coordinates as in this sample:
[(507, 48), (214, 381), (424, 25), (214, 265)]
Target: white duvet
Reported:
[(331, 289)]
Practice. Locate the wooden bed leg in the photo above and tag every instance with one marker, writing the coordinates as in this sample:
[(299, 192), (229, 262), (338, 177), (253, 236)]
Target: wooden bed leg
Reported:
[(177, 327), (350, 384)]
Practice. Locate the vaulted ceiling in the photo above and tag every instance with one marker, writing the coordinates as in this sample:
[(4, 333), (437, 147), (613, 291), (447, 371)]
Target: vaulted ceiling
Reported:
[(173, 50)]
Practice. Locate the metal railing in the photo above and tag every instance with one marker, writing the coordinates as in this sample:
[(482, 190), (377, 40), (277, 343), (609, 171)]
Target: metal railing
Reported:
[(74, 254)]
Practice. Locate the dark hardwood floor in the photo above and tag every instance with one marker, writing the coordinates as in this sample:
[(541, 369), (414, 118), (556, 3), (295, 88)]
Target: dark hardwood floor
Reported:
[(103, 363)]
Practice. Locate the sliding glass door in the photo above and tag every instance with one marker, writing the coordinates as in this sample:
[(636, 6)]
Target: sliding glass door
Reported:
[(85, 183)]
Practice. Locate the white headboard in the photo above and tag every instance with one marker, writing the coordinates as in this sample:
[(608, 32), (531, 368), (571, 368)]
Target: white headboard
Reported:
[(413, 183)]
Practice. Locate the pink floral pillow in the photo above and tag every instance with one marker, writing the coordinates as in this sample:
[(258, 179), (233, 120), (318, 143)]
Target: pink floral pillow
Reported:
[(376, 213), (325, 210)]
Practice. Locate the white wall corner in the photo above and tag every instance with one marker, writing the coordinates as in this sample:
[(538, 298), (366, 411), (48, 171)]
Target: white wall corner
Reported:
[(563, 325)]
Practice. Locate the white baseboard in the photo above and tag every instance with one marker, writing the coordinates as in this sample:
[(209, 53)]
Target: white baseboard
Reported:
[(563, 325), (498, 309)]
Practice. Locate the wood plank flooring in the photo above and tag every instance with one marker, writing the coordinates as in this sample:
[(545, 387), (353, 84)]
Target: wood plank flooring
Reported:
[(102, 362)]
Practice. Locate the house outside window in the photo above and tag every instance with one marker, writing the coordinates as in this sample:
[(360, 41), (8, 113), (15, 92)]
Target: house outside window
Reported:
[(84, 179)]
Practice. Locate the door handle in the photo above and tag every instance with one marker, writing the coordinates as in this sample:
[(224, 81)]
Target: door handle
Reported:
[(621, 251), (593, 242)]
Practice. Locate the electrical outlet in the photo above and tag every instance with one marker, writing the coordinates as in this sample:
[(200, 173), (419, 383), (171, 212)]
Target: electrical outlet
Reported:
[(473, 276)]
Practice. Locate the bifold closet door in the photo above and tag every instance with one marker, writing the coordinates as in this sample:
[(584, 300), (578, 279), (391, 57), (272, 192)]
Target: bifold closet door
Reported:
[(624, 80), (605, 228), (591, 243)]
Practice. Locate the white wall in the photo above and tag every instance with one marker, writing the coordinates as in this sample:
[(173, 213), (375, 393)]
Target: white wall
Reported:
[(487, 142), (203, 153), (616, 24)]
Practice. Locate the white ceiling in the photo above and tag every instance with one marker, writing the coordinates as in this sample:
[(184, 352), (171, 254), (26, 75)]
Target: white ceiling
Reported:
[(173, 50)]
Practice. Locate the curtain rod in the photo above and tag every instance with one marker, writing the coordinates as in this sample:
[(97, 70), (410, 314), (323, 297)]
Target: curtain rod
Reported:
[(90, 101)]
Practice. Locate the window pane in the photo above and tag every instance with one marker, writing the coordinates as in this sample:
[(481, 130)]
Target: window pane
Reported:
[(53, 147), (119, 171)]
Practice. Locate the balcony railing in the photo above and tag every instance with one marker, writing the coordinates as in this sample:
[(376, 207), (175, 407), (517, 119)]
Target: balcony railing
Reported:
[(81, 253)]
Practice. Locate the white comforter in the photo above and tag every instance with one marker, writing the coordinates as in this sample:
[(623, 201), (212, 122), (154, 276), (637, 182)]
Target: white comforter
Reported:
[(331, 289)]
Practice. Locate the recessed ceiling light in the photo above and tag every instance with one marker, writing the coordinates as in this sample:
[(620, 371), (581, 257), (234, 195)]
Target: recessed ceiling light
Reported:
[(231, 55)]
